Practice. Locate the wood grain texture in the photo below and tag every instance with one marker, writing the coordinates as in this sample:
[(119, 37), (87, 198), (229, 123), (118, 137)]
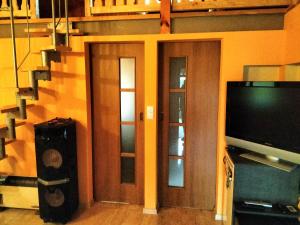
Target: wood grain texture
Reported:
[(116, 214), (106, 123), (19, 197), (201, 124), (228, 4), (165, 17)]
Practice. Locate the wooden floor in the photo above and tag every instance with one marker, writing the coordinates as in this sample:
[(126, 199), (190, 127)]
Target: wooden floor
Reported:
[(116, 214)]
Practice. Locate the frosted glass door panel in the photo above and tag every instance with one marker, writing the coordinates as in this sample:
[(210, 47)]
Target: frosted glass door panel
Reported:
[(177, 107), (127, 138), (127, 106), (127, 170), (176, 173), (176, 140), (127, 72), (177, 72)]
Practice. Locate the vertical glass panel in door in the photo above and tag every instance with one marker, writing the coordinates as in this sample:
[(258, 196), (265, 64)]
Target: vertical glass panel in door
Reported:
[(127, 170), (127, 72), (127, 106), (176, 173), (177, 72), (177, 107), (176, 140), (127, 138)]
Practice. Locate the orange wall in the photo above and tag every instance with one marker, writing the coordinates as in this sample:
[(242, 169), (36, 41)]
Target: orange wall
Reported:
[(292, 28), (67, 96)]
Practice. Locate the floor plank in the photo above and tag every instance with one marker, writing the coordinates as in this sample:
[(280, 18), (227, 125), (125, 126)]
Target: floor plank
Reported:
[(116, 214)]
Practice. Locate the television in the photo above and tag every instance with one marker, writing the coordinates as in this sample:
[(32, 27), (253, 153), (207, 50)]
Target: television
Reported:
[(264, 117)]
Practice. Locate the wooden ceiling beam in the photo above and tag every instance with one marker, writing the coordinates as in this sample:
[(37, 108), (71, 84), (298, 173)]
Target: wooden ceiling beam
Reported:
[(165, 17)]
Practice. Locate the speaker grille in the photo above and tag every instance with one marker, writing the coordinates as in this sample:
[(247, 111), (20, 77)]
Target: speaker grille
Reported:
[(52, 158), (55, 198)]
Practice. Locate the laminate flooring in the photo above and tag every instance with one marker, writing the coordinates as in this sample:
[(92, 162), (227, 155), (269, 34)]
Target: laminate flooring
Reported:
[(116, 214)]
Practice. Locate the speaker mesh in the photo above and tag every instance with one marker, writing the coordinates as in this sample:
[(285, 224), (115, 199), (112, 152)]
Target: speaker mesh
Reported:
[(52, 158), (55, 198)]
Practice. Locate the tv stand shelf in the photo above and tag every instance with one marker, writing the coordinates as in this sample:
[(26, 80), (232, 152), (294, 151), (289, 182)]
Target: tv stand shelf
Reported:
[(247, 180), (276, 211)]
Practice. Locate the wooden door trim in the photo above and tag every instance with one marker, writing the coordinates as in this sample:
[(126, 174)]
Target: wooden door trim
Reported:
[(164, 142), (139, 107)]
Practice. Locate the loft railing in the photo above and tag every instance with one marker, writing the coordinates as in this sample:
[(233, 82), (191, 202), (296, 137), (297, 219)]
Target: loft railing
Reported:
[(124, 6), (189, 5), (19, 10)]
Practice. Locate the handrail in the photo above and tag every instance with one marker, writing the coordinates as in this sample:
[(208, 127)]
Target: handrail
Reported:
[(67, 21), (55, 24), (122, 6), (28, 37), (13, 38), (119, 6)]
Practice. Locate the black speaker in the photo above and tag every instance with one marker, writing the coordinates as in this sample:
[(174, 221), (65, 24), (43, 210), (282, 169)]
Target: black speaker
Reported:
[(56, 160)]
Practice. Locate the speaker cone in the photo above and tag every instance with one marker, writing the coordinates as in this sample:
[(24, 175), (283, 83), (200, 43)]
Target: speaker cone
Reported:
[(55, 198), (52, 158)]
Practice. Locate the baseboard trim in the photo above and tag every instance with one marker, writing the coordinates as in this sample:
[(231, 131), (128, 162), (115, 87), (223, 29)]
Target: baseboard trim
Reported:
[(150, 211), (219, 217)]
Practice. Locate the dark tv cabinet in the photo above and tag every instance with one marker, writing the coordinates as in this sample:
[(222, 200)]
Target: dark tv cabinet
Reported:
[(249, 180)]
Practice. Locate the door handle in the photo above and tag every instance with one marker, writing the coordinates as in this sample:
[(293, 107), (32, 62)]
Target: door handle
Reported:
[(141, 116), (161, 116)]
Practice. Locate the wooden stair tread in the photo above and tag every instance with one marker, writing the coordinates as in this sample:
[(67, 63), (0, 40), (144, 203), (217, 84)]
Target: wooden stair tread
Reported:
[(59, 48), (9, 142), (42, 68), (38, 68), (18, 124), (25, 91), (42, 32), (13, 108), (3, 128), (6, 156)]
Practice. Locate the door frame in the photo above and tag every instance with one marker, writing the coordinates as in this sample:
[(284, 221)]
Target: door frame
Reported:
[(151, 46), (160, 123), (89, 86)]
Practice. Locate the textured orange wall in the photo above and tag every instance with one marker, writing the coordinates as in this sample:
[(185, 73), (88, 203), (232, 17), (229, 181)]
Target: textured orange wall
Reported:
[(67, 96), (292, 28)]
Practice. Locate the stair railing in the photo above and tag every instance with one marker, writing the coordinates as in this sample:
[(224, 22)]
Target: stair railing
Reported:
[(28, 36), (55, 24), (13, 39)]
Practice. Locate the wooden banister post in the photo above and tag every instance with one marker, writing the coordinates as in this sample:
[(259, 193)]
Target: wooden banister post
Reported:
[(130, 2), (120, 2), (87, 7), (23, 5), (15, 5), (97, 3), (33, 9), (4, 4), (165, 17)]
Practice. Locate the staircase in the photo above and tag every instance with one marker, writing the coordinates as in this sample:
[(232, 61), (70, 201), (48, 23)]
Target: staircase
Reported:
[(16, 114)]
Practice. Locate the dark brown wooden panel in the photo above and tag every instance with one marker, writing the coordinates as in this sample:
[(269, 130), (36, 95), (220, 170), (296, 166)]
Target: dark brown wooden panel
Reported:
[(106, 123), (202, 85)]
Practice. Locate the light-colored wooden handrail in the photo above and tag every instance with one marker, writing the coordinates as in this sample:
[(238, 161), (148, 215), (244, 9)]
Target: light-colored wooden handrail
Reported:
[(186, 5), (124, 6)]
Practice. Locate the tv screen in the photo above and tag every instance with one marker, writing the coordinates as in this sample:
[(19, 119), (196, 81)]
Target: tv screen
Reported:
[(266, 113)]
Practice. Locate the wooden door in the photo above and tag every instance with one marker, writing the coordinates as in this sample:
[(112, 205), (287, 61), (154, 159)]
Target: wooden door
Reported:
[(118, 140), (188, 102)]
